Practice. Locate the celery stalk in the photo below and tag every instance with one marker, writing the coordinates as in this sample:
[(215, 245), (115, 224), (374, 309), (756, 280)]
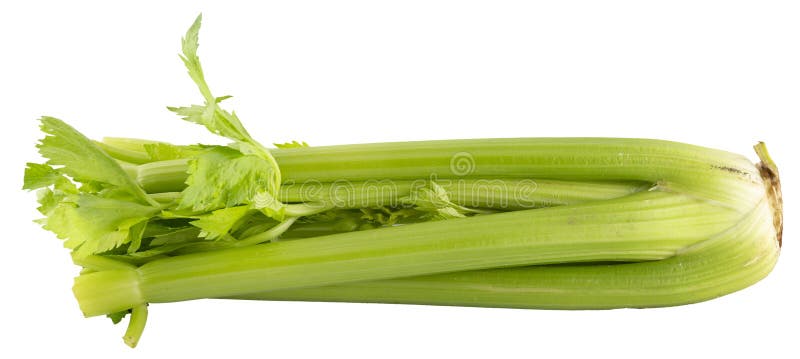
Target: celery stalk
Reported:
[(700, 171), (728, 262), (645, 226)]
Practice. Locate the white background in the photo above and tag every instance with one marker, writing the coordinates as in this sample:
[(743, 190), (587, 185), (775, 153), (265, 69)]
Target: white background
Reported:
[(721, 74)]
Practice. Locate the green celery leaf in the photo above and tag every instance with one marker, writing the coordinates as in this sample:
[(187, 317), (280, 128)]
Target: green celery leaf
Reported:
[(226, 124), (49, 198), (181, 235), (96, 187), (434, 201), (82, 159), (223, 177), (446, 213), (118, 316), (210, 115), (135, 236), (387, 216), (92, 225), (220, 222), (160, 226), (39, 175)]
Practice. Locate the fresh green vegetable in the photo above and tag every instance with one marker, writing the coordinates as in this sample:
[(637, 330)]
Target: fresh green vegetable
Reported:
[(584, 222)]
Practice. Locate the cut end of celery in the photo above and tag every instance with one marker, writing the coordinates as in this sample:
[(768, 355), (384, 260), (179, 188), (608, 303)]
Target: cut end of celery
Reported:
[(136, 325), (130, 341), (772, 181), (107, 292)]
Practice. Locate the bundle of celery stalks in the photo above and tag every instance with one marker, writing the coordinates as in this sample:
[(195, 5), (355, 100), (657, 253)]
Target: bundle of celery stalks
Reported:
[(553, 223)]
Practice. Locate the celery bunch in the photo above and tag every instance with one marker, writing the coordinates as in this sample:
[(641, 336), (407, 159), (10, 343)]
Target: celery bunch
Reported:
[(567, 223)]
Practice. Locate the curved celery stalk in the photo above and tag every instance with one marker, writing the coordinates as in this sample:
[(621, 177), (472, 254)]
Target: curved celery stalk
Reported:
[(644, 226), (716, 175), (728, 262), (165, 177)]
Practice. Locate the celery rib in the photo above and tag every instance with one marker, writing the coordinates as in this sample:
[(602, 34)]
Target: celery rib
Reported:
[(643, 226), (704, 172), (729, 262), (167, 177)]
